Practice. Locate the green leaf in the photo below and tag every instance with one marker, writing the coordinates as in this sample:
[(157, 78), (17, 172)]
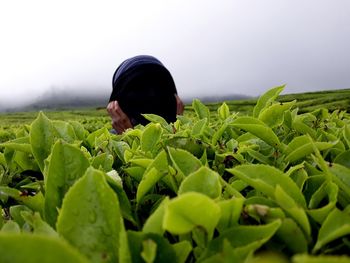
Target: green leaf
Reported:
[(79, 130), (119, 148), (103, 161), (336, 225), (19, 144), (90, 218), (151, 136), (41, 138), (204, 180), (19, 248), (247, 239), (135, 172), (192, 145), (343, 159), (229, 254), (98, 138), (184, 161), (160, 162), (10, 227), (201, 110), (191, 210), (268, 257), (218, 134), (231, 210), (35, 203), (265, 178), (142, 162), (340, 176), (288, 204), (302, 127), (159, 119), (154, 223), (25, 161), (223, 111), (303, 258), (302, 146), (67, 164), (39, 226), (273, 115), (292, 235), (149, 251), (15, 212), (299, 177), (267, 99), (259, 129), (182, 250), (64, 130), (2, 160), (116, 183), (157, 247), (1, 218), (199, 127), (328, 191), (258, 156), (149, 179), (346, 134), (155, 171)]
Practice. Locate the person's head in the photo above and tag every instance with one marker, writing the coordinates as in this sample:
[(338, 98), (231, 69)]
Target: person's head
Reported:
[(142, 84)]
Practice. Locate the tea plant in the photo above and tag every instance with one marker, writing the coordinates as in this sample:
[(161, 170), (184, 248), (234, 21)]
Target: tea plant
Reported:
[(229, 187)]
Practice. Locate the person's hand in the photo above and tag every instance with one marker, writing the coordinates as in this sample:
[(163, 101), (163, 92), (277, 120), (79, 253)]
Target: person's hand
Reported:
[(179, 105), (120, 121)]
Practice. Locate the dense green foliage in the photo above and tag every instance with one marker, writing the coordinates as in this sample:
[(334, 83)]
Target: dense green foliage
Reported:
[(269, 186), (306, 102)]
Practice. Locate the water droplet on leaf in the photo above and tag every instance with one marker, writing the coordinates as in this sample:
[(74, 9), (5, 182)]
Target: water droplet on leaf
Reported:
[(106, 230), (92, 217)]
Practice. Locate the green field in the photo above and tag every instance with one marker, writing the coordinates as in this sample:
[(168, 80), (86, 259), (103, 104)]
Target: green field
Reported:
[(263, 182), (93, 118), (12, 119), (306, 102)]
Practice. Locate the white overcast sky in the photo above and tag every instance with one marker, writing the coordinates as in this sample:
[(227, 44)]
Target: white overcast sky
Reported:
[(210, 47)]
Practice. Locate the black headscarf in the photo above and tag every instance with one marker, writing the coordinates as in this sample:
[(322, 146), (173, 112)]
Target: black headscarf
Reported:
[(142, 84)]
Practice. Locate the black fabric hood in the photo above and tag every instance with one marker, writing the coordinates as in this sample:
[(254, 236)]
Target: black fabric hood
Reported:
[(143, 85)]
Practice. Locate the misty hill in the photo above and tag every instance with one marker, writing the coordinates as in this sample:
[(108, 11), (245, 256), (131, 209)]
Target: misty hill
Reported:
[(56, 99), (59, 101)]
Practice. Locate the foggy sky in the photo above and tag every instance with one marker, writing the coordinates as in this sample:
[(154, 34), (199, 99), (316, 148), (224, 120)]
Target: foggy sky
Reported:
[(210, 47)]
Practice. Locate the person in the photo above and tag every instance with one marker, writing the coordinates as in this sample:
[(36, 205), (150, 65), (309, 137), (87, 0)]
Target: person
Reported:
[(142, 84)]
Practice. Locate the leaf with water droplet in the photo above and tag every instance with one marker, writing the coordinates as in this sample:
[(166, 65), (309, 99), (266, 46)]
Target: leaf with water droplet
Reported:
[(66, 165), (98, 224)]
